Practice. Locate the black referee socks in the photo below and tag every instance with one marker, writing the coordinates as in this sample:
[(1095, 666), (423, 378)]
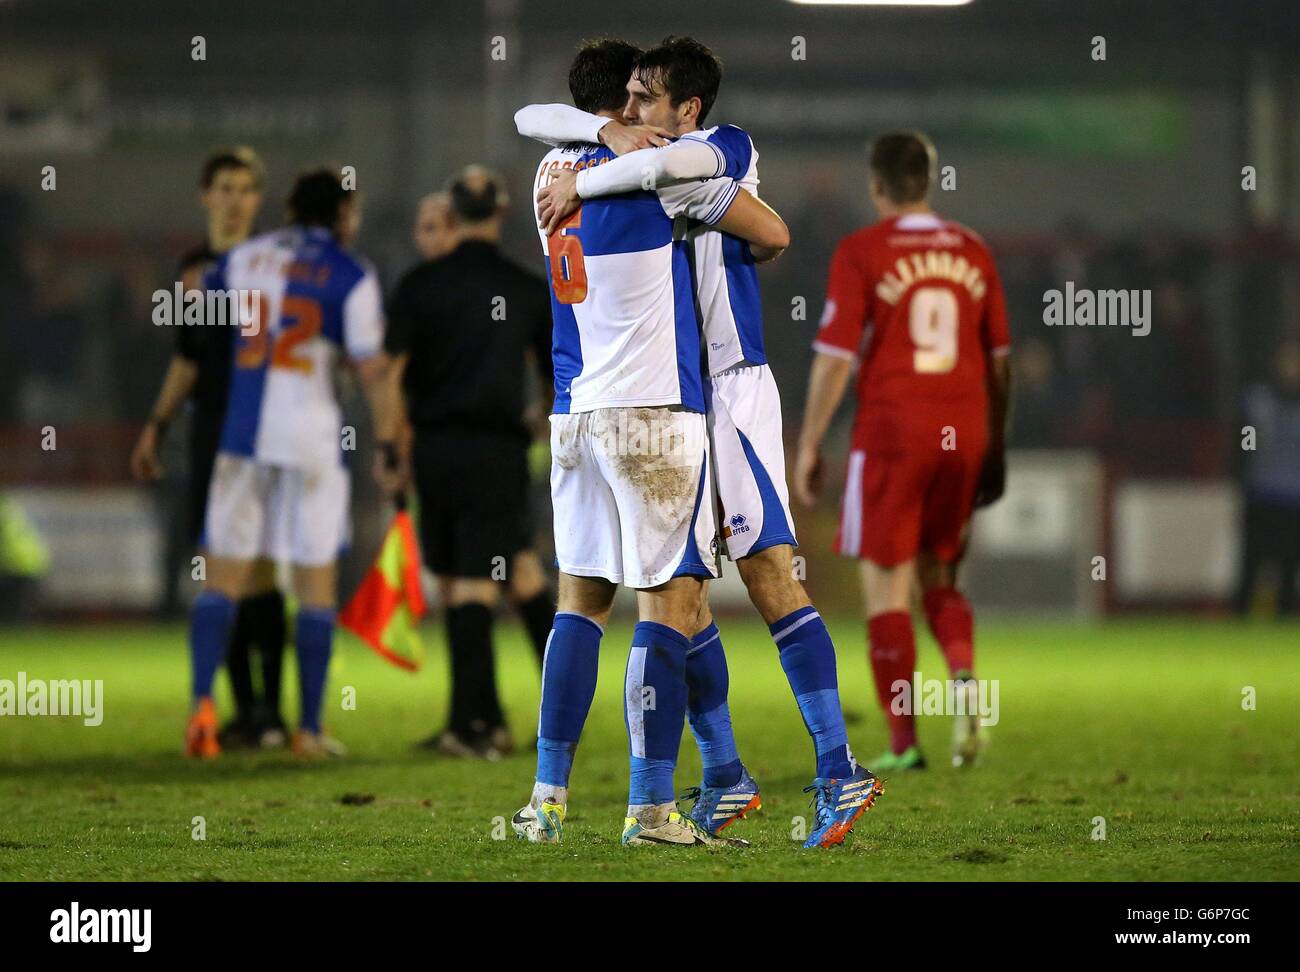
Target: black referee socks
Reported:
[(267, 631), (260, 625), (474, 702), (238, 666)]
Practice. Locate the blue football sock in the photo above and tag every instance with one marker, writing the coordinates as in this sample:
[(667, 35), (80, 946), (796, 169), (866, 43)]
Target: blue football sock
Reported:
[(313, 639), (212, 618), (808, 657), (654, 709), (706, 708), (568, 685)]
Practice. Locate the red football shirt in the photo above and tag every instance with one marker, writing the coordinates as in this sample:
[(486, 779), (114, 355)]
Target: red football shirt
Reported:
[(918, 300)]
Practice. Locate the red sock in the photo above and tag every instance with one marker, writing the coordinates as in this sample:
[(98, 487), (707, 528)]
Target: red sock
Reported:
[(893, 658), (953, 626)]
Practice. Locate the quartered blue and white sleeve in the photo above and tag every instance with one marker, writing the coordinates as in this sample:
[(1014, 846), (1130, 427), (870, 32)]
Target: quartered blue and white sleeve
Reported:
[(558, 124), (363, 318), (732, 147)]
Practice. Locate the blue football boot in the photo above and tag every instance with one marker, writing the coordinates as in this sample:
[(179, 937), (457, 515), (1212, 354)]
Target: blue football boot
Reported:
[(718, 807), (839, 804)]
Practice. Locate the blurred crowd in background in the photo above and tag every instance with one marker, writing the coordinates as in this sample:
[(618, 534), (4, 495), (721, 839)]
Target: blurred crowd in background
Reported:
[(80, 347), (1153, 201)]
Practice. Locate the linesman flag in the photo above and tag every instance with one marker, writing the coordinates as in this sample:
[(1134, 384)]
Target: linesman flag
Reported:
[(387, 607)]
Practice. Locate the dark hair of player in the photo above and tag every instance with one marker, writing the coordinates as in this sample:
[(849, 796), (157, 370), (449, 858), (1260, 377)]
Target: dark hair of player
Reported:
[(904, 164), (684, 68), (598, 76), (475, 194), (316, 198), (241, 157)]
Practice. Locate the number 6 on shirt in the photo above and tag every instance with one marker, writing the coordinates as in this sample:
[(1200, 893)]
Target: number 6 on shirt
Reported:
[(568, 271)]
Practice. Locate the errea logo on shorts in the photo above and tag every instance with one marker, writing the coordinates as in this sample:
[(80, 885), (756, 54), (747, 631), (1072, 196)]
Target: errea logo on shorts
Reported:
[(737, 524), (133, 926)]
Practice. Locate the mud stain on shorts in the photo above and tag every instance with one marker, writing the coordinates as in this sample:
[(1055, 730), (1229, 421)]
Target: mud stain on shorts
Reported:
[(650, 454), (567, 451)]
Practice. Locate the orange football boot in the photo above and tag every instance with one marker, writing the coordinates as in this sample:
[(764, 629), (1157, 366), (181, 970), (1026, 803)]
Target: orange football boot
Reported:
[(201, 733)]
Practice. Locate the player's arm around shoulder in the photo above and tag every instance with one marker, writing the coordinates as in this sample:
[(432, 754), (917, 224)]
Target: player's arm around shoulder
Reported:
[(739, 160), (754, 221), (741, 213), (559, 124), (658, 169)]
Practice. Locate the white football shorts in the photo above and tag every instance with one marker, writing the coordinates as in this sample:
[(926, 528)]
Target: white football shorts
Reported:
[(631, 493), (299, 515), (749, 461)]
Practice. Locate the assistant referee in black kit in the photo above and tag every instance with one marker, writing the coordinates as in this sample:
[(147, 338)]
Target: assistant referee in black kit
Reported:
[(461, 331), (230, 189)]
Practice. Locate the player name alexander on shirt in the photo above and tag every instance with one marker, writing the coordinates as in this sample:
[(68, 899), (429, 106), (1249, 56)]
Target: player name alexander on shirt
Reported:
[(919, 300), (931, 264)]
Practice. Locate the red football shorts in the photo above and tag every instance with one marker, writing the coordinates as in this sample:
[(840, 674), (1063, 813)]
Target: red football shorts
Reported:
[(905, 498)]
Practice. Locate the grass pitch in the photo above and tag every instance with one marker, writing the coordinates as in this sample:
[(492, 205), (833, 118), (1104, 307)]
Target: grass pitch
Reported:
[(1139, 723)]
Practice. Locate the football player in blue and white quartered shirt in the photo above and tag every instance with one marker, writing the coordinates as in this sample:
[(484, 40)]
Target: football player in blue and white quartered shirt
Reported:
[(630, 476), (279, 487)]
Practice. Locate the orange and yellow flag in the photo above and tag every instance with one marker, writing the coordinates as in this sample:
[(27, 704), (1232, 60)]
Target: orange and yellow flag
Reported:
[(387, 607)]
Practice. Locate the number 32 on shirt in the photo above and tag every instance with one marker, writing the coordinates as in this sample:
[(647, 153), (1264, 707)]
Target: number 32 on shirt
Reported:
[(300, 320)]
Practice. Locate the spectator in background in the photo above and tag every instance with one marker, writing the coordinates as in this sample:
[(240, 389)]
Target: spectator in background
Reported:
[(24, 561), (1168, 374), (1073, 259), (1072, 256), (1043, 402), (435, 227), (52, 346), (1162, 386), (132, 340), (1271, 482), (17, 298)]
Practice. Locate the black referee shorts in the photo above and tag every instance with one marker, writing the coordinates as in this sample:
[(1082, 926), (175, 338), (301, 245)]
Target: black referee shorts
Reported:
[(473, 490)]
